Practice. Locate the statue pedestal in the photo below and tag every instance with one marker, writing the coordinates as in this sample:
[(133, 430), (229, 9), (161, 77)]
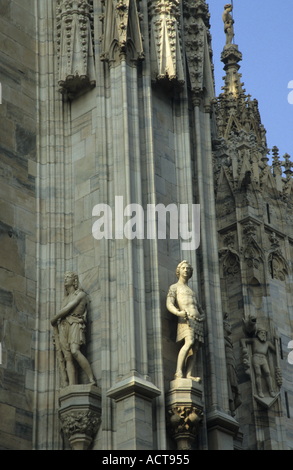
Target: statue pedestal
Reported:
[(184, 408), (80, 414)]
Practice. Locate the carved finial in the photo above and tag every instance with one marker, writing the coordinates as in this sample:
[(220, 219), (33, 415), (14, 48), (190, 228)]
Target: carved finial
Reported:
[(275, 151), (287, 164)]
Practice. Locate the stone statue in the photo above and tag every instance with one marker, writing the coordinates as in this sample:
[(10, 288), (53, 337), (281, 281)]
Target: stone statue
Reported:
[(233, 390), (228, 24), (182, 301), (69, 331), (260, 347)]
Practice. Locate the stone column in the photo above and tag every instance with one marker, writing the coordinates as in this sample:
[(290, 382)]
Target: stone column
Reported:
[(133, 396)]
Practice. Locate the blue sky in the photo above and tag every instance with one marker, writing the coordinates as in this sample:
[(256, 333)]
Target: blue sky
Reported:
[(264, 33)]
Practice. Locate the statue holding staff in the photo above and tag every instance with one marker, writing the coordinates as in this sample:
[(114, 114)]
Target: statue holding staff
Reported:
[(69, 331)]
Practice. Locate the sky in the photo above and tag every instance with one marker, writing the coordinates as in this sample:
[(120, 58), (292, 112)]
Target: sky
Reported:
[(264, 34)]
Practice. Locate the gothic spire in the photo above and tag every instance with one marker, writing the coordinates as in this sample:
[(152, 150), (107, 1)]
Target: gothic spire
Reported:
[(236, 110)]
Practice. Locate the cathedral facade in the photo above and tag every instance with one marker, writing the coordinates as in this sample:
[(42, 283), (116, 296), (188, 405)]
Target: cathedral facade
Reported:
[(116, 334)]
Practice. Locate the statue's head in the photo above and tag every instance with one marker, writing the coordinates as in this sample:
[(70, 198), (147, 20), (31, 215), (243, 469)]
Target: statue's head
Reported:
[(180, 265), (71, 278), (261, 334), (228, 7)]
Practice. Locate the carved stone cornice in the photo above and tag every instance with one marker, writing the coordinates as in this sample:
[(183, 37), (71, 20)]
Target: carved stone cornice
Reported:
[(75, 50), (133, 385)]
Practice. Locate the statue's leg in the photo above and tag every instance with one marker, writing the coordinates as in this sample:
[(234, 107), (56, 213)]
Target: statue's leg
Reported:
[(191, 361), (257, 371), (70, 369), (182, 357), (269, 379), (83, 362)]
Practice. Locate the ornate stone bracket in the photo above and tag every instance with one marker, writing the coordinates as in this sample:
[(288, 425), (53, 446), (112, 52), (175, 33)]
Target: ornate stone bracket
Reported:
[(184, 409), (165, 42), (75, 47), (196, 23), (80, 414)]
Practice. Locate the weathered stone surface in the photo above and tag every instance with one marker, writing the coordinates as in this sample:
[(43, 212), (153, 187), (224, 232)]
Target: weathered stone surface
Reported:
[(252, 202), (25, 141), (17, 219)]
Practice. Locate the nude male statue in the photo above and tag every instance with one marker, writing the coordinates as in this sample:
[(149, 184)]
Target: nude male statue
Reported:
[(71, 325), (182, 302), (260, 347), (228, 24)]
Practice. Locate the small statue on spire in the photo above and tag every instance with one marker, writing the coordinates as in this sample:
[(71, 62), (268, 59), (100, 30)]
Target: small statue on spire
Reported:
[(228, 24)]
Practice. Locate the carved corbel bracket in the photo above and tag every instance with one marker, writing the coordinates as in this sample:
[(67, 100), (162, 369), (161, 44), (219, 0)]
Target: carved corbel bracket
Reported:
[(80, 414), (165, 42), (184, 408), (75, 47), (197, 37)]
